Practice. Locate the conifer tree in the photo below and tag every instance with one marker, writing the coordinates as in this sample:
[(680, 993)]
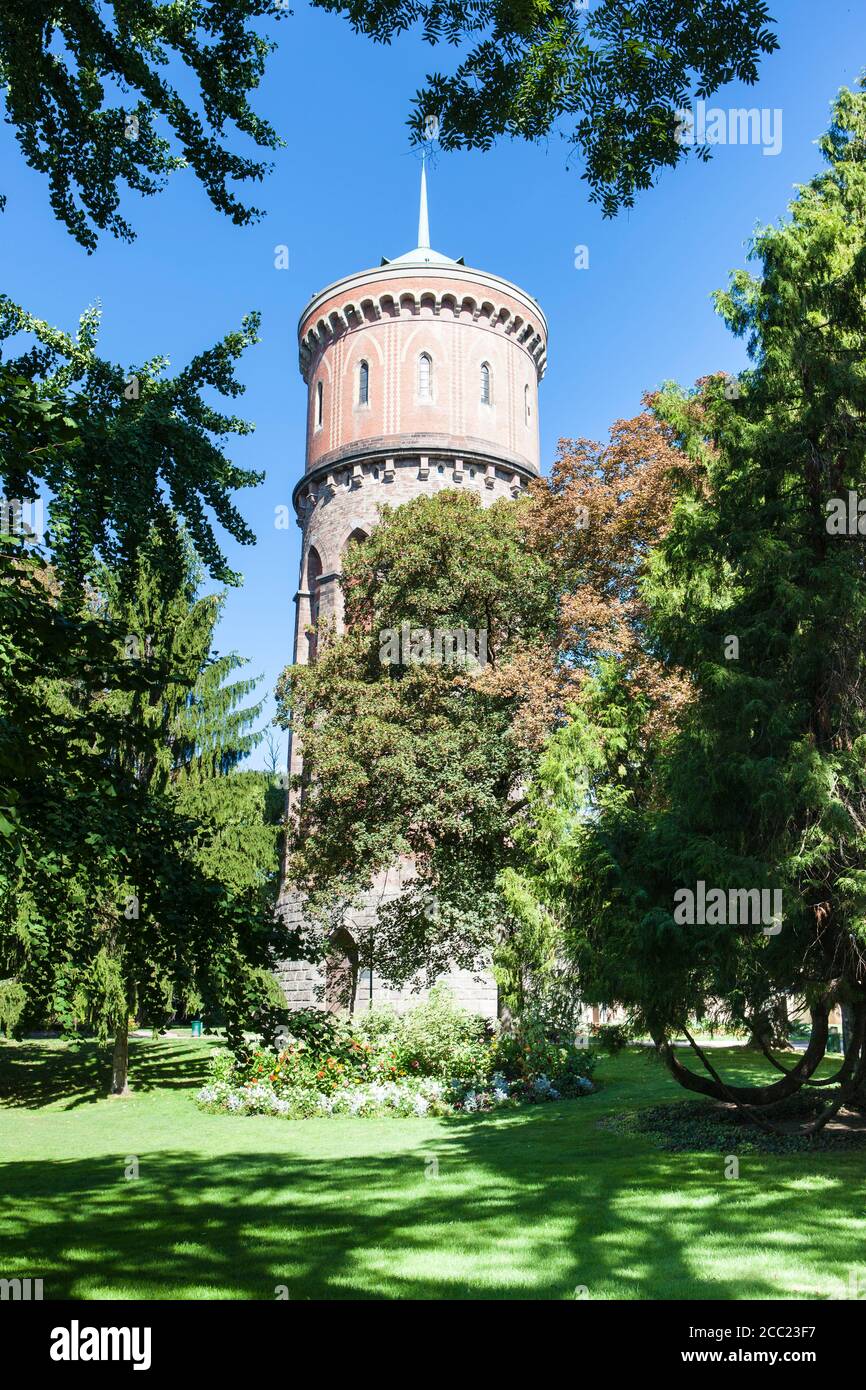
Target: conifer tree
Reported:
[(758, 599), (200, 935), (124, 880)]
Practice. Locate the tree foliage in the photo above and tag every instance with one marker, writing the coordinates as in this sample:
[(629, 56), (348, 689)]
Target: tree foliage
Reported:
[(126, 883), (618, 72), (129, 892), (422, 761), (116, 451), (428, 764), (595, 521), (762, 784), (88, 91)]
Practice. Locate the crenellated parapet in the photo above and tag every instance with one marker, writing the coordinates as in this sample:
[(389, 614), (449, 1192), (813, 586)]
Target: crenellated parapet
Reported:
[(395, 477), (321, 325)]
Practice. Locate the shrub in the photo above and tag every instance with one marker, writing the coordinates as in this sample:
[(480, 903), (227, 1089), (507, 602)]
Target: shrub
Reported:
[(438, 1038), (13, 1002), (611, 1037), (529, 1053), (320, 1031), (348, 1061), (381, 1023)]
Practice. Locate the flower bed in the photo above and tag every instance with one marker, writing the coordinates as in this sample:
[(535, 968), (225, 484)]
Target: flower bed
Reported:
[(437, 1059), (425, 1096)]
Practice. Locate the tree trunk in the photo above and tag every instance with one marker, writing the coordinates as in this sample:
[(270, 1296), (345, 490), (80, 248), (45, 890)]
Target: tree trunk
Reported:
[(787, 1085), (771, 1029), (506, 1017), (120, 1061)]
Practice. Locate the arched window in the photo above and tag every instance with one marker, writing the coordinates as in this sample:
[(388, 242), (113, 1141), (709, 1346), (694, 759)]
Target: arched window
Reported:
[(485, 383), (357, 537), (314, 573), (425, 376), (363, 384), (320, 395), (527, 408)]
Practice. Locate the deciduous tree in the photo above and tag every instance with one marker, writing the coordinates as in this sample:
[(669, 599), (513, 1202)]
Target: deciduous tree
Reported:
[(616, 73), (107, 93)]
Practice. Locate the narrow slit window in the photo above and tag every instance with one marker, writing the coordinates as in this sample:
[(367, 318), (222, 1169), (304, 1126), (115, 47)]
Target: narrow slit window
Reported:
[(320, 392), (425, 376), (314, 574), (364, 384), (485, 384)]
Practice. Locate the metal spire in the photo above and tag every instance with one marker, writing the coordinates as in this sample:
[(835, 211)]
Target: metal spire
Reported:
[(423, 222)]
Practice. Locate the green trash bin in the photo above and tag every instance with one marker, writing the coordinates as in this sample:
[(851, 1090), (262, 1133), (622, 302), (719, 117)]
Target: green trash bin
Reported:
[(196, 1027), (834, 1040)]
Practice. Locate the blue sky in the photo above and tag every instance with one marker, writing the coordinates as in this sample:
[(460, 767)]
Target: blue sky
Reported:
[(344, 192)]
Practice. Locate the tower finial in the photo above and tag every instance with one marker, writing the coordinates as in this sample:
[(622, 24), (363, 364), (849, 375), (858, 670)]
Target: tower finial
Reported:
[(423, 223)]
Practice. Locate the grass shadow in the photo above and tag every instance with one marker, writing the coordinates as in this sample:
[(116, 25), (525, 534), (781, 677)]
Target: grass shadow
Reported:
[(71, 1074), (537, 1203)]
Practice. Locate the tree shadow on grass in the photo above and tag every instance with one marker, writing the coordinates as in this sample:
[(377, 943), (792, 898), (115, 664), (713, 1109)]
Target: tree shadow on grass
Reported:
[(512, 1208), (646, 1224), (530, 1203), (71, 1074)]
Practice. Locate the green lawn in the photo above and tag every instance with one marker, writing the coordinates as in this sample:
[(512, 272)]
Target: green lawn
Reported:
[(526, 1204)]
